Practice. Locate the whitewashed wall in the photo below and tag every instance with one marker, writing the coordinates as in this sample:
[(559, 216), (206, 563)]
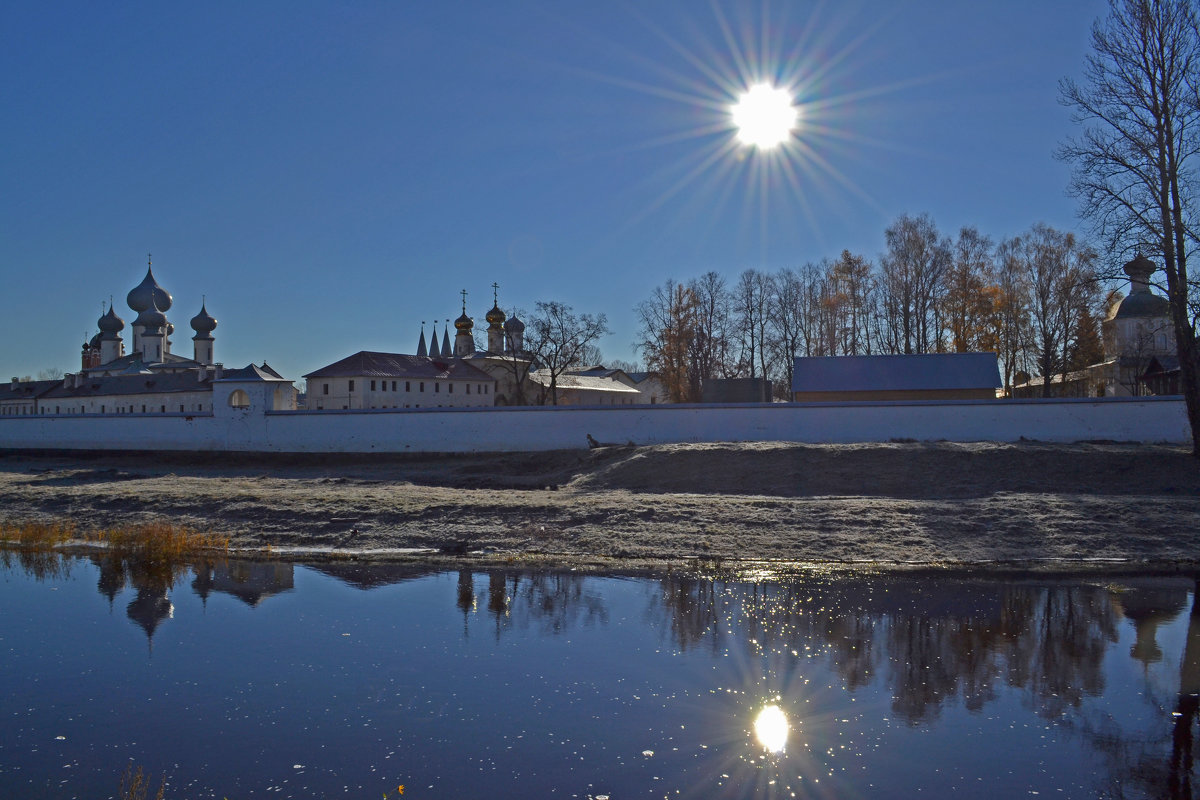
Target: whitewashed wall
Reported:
[(500, 429)]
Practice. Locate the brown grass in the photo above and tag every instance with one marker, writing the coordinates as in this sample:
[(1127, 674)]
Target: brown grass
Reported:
[(135, 785), (153, 541)]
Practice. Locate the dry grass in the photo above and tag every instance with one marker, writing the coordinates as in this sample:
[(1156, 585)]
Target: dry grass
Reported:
[(135, 785), (155, 541), (37, 535)]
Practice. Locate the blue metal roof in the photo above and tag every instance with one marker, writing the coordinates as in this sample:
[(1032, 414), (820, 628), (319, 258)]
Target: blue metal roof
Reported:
[(896, 373)]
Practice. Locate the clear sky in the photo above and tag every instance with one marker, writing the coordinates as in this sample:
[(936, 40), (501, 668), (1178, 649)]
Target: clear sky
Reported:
[(331, 174)]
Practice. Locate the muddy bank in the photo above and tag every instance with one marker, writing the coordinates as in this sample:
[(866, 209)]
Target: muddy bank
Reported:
[(904, 503)]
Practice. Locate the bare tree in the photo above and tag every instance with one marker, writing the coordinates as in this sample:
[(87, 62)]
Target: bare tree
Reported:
[(1135, 162), (711, 351), (967, 303), (751, 299), (560, 339), (1058, 273), (911, 277), (668, 334)]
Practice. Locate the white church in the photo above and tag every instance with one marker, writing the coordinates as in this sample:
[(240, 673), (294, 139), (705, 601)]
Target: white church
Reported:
[(458, 374), (148, 378)]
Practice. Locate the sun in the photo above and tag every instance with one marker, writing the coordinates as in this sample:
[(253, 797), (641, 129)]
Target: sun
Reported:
[(765, 116)]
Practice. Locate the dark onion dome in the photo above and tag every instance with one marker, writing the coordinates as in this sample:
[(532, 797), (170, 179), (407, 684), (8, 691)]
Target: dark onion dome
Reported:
[(203, 323), (514, 325), (110, 322), (1140, 268), (1143, 304), (150, 319), (148, 294), (95, 342), (495, 317), (463, 323)]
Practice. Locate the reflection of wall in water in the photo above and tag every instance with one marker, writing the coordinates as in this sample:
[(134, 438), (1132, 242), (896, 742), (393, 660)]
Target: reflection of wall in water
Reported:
[(249, 581)]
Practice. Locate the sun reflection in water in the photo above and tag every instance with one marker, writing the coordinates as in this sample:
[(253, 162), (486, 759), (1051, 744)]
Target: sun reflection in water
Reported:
[(771, 728)]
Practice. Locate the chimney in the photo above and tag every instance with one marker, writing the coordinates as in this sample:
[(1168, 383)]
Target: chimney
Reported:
[(217, 371)]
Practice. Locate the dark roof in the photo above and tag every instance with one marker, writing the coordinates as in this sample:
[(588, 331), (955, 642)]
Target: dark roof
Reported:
[(26, 390), (896, 373), (1143, 304), (250, 372), (638, 377), (395, 365), (133, 384), (132, 362), (1162, 365)]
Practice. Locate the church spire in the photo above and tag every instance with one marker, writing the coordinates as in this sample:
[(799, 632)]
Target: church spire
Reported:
[(434, 350), (422, 350)]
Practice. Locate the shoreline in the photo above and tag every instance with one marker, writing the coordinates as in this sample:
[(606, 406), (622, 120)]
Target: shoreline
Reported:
[(903, 505)]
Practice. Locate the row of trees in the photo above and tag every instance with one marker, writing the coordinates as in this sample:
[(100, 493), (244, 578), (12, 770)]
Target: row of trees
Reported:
[(1034, 299)]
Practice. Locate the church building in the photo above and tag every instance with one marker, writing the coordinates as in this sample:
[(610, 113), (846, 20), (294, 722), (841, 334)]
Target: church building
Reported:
[(148, 378)]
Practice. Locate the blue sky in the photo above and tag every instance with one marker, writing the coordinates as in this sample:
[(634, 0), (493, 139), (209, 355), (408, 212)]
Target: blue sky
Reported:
[(329, 175)]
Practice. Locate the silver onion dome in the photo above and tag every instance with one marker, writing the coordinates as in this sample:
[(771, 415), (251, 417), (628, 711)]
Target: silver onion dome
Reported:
[(110, 322), (148, 294), (151, 319), (203, 323), (514, 325)]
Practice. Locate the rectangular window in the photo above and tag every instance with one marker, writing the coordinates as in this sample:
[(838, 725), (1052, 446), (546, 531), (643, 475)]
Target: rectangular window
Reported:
[(181, 408), (325, 388), (468, 388), (102, 408), (485, 390), (143, 409), (422, 386), (162, 409), (372, 386), (451, 389), (407, 386), (393, 386), (437, 387), (352, 384)]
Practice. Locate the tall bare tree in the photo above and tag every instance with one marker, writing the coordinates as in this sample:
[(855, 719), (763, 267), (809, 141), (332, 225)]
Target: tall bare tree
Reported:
[(911, 278), (560, 339), (966, 302), (751, 301), (669, 332), (1059, 277), (1135, 162)]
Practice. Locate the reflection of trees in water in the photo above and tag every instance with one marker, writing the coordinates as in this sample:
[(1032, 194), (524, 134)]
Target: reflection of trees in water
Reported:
[(928, 640), (555, 602), (1155, 761), (42, 565)]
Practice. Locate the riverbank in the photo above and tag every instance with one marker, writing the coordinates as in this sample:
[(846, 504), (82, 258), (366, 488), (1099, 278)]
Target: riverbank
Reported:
[(889, 504)]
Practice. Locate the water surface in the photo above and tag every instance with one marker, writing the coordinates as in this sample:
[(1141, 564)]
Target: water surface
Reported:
[(243, 679)]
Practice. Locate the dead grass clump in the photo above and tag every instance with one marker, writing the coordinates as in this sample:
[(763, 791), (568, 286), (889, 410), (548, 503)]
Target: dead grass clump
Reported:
[(135, 785), (37, 535), (158, 541)]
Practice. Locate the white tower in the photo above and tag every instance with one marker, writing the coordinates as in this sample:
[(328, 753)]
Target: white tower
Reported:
[(202, 342)]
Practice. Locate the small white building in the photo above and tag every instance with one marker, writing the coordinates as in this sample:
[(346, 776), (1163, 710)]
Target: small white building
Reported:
[(368, 380)]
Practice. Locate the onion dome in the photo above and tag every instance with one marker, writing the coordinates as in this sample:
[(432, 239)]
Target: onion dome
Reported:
[(151, 318), (514, 325), (1141, 302), (203, 324), (495, 317), (463, 323), (148, 294), (110, 322), (95, 342)]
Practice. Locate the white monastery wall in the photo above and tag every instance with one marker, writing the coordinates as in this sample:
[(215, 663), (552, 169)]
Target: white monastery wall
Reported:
[(516, 428)]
